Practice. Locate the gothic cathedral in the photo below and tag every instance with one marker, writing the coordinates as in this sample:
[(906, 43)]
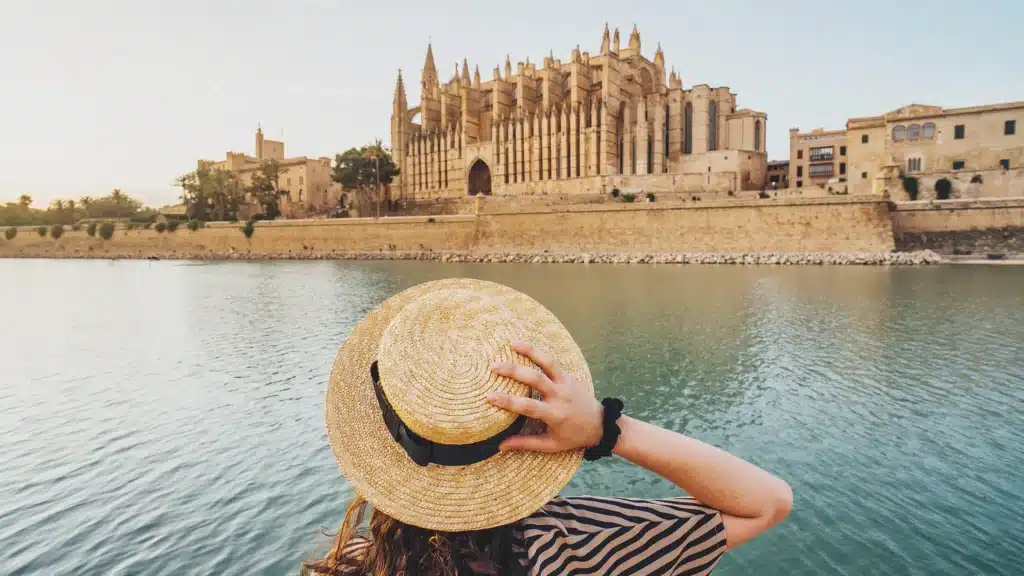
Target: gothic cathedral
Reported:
[(585, 126)]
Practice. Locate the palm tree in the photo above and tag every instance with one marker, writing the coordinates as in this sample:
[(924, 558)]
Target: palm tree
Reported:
[(85, 201), (25, 200), (118, 199), (58, 207), (71, 211)]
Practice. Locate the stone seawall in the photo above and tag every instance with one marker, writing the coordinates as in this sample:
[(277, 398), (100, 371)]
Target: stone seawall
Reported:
[(980, 226), (823, 225)]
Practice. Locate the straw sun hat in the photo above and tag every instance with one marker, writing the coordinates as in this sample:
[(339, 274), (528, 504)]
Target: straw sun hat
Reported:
[(409, 389)]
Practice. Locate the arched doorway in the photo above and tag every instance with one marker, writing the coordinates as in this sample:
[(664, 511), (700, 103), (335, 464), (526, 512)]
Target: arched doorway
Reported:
[(479, 179)]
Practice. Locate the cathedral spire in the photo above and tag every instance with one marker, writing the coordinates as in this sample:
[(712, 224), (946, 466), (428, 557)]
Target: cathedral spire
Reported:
[(616, 43), (508, 66), (634, 39), (429, 63), (476, 76), (429, 69), (400, 90), (465, 71), (659, 57), (605, 40)]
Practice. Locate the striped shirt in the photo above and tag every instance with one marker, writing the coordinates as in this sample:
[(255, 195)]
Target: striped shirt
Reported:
[(607, 536)]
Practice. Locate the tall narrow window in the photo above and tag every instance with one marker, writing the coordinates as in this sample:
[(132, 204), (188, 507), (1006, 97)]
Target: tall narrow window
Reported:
[(600, 159), (620, 127), (540, 156), (665, 134), (515, 152), (757, 135), (632, 154), (688, 129), (558, 157), (650, 154), (1009, 127), (568, 145), (551, 150), (713, 125), (576, 146)]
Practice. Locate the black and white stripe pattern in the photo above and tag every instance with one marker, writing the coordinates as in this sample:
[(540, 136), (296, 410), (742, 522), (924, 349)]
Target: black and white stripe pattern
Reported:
[(605, 536), (615, 536)]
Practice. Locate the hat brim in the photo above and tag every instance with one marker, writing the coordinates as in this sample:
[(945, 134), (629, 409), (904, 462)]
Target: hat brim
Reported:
[(501, 490)]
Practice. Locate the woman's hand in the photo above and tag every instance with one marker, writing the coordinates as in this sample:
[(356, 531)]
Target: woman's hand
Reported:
[(572, 414)]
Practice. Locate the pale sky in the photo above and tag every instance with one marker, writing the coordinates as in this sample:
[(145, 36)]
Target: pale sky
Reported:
[(104, 94)]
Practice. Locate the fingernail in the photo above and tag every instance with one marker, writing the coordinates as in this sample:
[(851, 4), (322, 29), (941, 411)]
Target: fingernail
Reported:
[(518, 344), (492, 396)]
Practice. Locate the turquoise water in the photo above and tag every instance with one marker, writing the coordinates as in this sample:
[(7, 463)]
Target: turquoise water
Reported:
[(167, 417)]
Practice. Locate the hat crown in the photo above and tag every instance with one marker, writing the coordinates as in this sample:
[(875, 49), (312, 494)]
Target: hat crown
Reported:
[(434, 360)]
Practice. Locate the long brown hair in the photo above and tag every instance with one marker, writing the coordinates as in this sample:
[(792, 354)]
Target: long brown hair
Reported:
[(393, 548)]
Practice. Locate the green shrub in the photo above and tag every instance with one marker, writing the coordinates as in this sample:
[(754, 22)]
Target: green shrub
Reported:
[(91, 229), (194, 225), (615, 192), (628, 197), (106, 230), (10, 233), (160, 226), (76, 227), (249, 228), (147, 225), (910, 185), (56, 231), (172, 225), (129, 226), (41, 230), (651, 197)]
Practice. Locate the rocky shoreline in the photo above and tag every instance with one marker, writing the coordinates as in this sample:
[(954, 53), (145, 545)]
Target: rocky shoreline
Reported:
[(917, 258)]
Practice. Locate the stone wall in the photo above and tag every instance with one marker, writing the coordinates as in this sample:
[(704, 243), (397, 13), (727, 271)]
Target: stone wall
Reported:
[(960, 226), (967, 185), (800, 225)]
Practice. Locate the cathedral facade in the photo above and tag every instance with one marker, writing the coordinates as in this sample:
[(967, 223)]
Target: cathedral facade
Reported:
[(586, 126)]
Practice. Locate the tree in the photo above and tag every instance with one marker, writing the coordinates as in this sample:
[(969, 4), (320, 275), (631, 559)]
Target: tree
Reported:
[(117, 197), (361, 169), (114, 205), (71, 211), (266, 188), (57, 208), (227, 195), (24, 200), (85, 201)]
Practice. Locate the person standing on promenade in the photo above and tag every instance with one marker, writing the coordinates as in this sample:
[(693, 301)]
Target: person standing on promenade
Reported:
[(458, 436)]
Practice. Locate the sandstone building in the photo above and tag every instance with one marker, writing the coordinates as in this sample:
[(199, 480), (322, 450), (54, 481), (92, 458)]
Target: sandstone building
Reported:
[(970, 152), (778, 174), (307, 180), (817, 157), (611, 119)]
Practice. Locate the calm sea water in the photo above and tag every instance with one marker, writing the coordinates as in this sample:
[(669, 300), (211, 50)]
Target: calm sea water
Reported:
[(167, 417)]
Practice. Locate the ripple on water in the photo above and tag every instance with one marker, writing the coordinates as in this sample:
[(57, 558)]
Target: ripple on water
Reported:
[(174, 426)]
